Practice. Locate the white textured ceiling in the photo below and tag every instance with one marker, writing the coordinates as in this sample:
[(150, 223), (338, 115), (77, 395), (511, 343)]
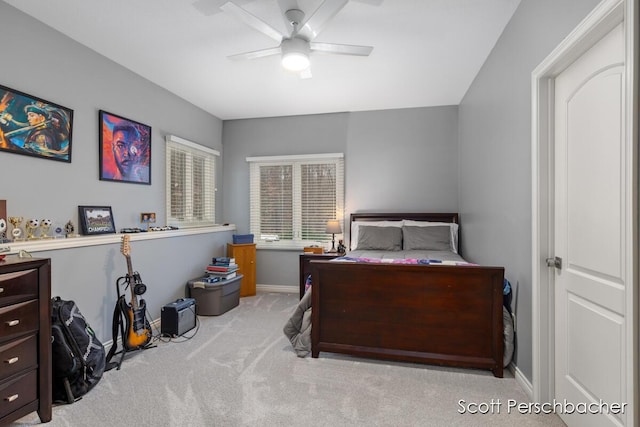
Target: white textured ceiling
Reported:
[(426, 52)]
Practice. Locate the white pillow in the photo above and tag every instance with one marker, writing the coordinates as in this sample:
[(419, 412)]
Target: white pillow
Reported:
[(355, 224), (453, 227)]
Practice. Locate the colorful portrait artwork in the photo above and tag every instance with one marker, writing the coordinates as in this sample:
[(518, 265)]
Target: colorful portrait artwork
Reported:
[(125, 150), (34, 127)]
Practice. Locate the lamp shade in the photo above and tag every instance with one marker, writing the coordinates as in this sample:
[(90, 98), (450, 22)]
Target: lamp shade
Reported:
[(333, 227)]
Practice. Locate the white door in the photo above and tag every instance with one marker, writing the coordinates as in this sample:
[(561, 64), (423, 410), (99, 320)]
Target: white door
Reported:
[(590, 235)]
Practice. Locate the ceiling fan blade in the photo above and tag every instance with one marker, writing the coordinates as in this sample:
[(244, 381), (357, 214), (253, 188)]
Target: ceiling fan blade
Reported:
[(316, 22), (256, 54), (252, 20), (341, 49)]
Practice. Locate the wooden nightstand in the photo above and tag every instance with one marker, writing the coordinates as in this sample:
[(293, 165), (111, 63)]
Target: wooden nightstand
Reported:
[(305, 268)]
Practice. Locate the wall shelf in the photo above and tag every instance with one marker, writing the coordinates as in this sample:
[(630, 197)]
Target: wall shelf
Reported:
[(40, 245)]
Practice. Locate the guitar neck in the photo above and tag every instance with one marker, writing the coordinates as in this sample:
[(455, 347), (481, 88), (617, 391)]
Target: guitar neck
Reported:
[(134, 300)]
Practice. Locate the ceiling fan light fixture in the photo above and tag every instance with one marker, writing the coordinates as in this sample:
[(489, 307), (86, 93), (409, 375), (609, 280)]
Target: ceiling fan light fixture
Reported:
[(295, 61), (295, 54)]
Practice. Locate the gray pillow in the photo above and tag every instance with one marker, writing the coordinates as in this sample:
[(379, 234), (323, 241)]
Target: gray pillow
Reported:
[(435, 238), (379, 238)]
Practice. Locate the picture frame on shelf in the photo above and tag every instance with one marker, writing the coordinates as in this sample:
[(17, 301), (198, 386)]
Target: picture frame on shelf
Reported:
[(34, 127), (125, 149), (96, 220), (148, 217)]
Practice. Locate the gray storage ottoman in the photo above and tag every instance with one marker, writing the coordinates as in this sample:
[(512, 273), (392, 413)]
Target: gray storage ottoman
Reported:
[(213, 299)]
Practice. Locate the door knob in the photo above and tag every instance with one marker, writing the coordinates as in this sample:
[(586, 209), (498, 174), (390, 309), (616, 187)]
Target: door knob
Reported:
[(555, 262)]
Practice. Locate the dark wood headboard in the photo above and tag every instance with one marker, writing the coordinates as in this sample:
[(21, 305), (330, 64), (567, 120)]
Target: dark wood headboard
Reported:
[(435, 217)]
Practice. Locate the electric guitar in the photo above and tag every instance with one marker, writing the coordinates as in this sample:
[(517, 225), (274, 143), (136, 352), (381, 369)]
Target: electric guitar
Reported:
[(138, 329)]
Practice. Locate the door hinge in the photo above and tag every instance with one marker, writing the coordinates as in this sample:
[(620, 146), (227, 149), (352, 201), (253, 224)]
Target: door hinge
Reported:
[(555, 262)]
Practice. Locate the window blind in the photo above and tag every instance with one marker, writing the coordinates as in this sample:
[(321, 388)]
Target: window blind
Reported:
[(293, 197), (190, 183)]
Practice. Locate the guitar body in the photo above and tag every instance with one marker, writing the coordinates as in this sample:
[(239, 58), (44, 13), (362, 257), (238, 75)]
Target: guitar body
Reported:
[(138, 329), (137, 332)]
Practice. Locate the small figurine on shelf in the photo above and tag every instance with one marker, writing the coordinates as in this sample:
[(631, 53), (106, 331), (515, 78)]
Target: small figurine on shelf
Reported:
[(69, 229), (342, 249)]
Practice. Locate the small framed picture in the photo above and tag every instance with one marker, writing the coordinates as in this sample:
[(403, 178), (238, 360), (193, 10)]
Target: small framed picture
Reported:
[(96, 220), (125, 149), (148, 217)]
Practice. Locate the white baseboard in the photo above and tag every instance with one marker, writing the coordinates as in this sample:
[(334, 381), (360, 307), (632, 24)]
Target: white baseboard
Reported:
[(522, 381), (278, 288)]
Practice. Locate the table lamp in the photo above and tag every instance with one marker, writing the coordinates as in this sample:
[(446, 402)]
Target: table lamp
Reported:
[(333, 228)]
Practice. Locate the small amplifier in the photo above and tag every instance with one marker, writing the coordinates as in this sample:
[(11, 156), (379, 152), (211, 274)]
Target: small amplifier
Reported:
[(178, 317)]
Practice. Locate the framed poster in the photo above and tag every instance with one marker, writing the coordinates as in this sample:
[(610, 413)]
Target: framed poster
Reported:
[(34, 127), (96, 220), (125, 149)]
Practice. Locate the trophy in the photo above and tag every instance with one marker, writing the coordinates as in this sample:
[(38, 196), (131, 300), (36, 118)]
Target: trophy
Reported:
[(16, 221), (58, 231), (45, 225), (32, 226), (3, 229), (69, 229)]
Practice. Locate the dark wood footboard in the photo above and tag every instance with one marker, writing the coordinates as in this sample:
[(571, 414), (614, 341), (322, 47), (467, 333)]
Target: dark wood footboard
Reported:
[(445, 315)]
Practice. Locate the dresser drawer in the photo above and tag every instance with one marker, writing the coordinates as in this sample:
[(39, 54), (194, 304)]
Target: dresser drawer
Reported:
[(18, 392), (18, 286), (18, 318), (18, 355)]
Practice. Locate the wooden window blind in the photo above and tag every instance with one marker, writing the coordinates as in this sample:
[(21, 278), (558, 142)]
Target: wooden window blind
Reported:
[(190, 183), (293, 197)]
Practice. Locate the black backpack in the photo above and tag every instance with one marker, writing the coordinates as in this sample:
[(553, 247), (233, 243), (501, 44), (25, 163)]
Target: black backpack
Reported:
[(78, 356)]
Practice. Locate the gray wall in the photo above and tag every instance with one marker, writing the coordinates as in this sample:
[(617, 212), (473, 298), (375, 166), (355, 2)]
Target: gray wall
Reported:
[(44, 63), (395, 160), (474, 159), (495, 150)]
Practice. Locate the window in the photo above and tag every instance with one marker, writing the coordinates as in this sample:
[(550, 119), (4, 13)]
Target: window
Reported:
[(293, 197), (190, 186)]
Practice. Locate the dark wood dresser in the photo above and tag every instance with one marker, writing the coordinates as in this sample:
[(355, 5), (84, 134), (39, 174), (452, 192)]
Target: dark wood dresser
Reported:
[(25, 338)]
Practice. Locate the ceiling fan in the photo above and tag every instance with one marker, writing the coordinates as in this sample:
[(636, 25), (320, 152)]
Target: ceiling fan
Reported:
[(296, 46)]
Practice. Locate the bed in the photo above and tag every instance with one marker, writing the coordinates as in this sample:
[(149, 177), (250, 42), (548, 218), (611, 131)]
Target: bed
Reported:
[(426, 310)]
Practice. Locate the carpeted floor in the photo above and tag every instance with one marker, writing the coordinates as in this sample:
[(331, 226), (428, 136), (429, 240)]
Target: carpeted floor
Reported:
[(240, 370)]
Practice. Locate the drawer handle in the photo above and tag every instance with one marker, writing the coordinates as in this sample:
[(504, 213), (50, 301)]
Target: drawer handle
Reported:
[(12, 360), (11, 398), (1, 290), (13, 322)]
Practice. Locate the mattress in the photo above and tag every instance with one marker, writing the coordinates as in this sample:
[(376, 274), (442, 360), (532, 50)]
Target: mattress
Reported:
[(390, 256)]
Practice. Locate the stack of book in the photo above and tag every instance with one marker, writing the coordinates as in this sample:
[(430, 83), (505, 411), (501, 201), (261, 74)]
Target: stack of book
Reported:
[(224, 268)]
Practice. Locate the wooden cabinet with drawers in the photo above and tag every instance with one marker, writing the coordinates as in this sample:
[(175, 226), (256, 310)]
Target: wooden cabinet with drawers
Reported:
[(25, 338), (245, 255)]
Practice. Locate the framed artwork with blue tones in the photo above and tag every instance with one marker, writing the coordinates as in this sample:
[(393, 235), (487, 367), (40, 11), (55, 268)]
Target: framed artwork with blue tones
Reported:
[(34, 127), (125, 149)]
